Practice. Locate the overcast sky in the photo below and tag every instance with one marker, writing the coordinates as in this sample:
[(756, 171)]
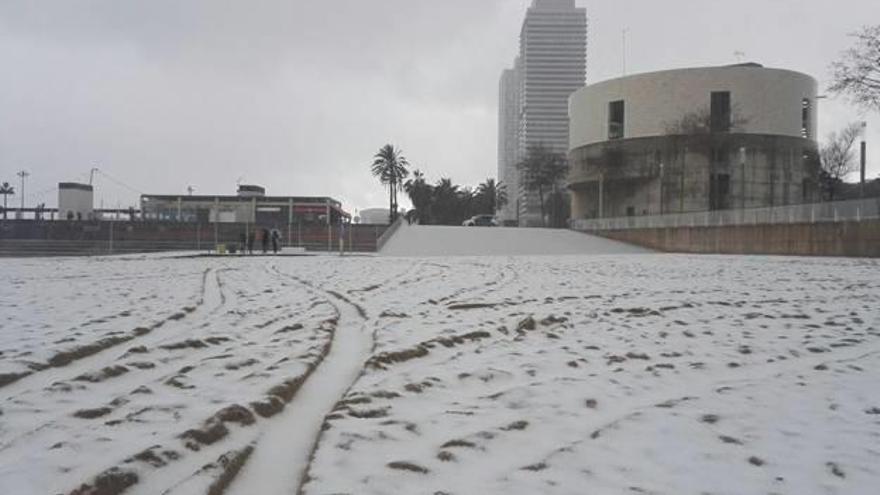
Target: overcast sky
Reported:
[(298, 95)]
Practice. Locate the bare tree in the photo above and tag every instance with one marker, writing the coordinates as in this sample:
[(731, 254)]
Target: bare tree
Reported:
[(857, 73), (541, 170), (838, 157), (699, 122)]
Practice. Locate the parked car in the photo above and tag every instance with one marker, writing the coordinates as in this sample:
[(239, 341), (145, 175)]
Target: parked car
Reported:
[(481, 221)]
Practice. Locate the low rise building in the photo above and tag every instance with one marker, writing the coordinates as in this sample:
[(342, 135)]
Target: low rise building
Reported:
[(689, 140), (75, 201), (249, 205)]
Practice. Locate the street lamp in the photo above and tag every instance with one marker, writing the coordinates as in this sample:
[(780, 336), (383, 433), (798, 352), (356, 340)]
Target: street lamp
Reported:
[(23, 174), (863, 159)]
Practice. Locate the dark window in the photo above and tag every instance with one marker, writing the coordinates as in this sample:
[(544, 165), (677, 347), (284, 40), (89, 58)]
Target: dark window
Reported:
[(630, 211), (806, 111), (615, 119), (720, 111), (720, 156)]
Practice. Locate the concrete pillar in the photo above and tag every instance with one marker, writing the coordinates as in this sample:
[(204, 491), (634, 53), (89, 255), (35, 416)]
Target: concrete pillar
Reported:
[(578, 204)]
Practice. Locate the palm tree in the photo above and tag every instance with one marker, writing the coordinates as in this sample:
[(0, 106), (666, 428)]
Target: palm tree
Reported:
[(542, 169), (421, 195), (491, 196), (447, 202), (6, 190), (389, 165)]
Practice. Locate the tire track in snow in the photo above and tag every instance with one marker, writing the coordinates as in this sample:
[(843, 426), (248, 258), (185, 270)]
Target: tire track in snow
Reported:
[(194, 471), (280, 460), (63, 358), (46, 417)]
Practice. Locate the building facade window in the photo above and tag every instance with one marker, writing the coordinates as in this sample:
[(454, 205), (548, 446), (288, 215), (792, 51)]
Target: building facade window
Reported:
[(806, 118), (720, 111), (616, 122)]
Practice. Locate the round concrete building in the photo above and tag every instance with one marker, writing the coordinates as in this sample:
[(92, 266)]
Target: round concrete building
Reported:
[(686, 140)]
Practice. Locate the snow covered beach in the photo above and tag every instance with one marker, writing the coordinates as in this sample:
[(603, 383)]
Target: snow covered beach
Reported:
[(644, 373)]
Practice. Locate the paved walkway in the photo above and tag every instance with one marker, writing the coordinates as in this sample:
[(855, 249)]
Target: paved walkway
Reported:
[(421, 240)]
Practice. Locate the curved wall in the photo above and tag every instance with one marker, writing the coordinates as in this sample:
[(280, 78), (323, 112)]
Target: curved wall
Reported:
[(770, 102)]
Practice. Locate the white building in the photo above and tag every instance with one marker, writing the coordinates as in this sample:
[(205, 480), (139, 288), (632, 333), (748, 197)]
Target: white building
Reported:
[(699, 139), (75, 201), (551, 65), (374, 216)]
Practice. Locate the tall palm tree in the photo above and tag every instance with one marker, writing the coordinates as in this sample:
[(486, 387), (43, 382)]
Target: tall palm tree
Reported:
[(6, 190), (390, 166)]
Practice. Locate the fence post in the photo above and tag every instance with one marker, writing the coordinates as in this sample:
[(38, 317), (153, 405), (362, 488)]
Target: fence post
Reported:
[(216, 221), (111, 236)]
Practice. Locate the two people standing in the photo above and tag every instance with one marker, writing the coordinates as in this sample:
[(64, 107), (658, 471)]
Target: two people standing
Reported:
[(265, 236)]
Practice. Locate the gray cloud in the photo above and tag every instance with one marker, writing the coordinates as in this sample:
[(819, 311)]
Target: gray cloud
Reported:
[(297, 95)]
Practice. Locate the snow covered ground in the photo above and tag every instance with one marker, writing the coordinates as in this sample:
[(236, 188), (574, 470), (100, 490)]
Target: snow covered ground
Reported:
[(647, 373)]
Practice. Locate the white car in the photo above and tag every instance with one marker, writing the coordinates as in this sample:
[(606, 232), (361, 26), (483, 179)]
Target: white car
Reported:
[(481, 221)]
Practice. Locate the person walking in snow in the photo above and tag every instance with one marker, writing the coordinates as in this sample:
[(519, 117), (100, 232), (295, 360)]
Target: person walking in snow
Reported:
[(265, 240)]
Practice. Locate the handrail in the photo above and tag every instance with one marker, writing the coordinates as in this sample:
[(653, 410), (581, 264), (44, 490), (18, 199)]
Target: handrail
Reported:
[(838, 211)]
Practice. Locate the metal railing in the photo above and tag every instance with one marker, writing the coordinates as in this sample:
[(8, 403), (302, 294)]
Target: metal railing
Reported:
[(837, 211)]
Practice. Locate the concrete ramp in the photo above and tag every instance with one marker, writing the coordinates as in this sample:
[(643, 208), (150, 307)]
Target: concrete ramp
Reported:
[(418, 240)]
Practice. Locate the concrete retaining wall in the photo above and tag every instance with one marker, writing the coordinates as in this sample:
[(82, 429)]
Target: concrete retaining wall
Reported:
[(853, 239)]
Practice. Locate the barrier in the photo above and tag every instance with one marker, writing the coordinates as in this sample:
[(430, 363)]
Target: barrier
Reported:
[(839, 211)]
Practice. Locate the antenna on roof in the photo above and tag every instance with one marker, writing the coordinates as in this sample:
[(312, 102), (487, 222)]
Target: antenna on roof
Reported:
[(625, 30), (190, 190), (739, 56)]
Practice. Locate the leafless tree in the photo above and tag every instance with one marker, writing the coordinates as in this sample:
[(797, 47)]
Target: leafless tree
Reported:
[(857, 73), (699, 122), (837, 156), (542, 169)]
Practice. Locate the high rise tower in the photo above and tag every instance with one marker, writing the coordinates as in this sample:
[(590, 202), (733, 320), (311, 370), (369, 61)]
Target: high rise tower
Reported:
[(509, 110), (552, 66)]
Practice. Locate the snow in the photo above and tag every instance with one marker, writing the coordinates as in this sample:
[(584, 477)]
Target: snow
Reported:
[(288, 442), (646, 373), (423, 240)]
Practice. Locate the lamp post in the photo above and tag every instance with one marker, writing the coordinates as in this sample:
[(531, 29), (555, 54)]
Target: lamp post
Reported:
[(743, 186), (863, 160), (23, 174)]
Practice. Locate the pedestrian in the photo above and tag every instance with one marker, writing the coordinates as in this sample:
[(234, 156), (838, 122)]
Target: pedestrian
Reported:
[(276, 237), (265, 240), (242, 242), (250, 241)]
